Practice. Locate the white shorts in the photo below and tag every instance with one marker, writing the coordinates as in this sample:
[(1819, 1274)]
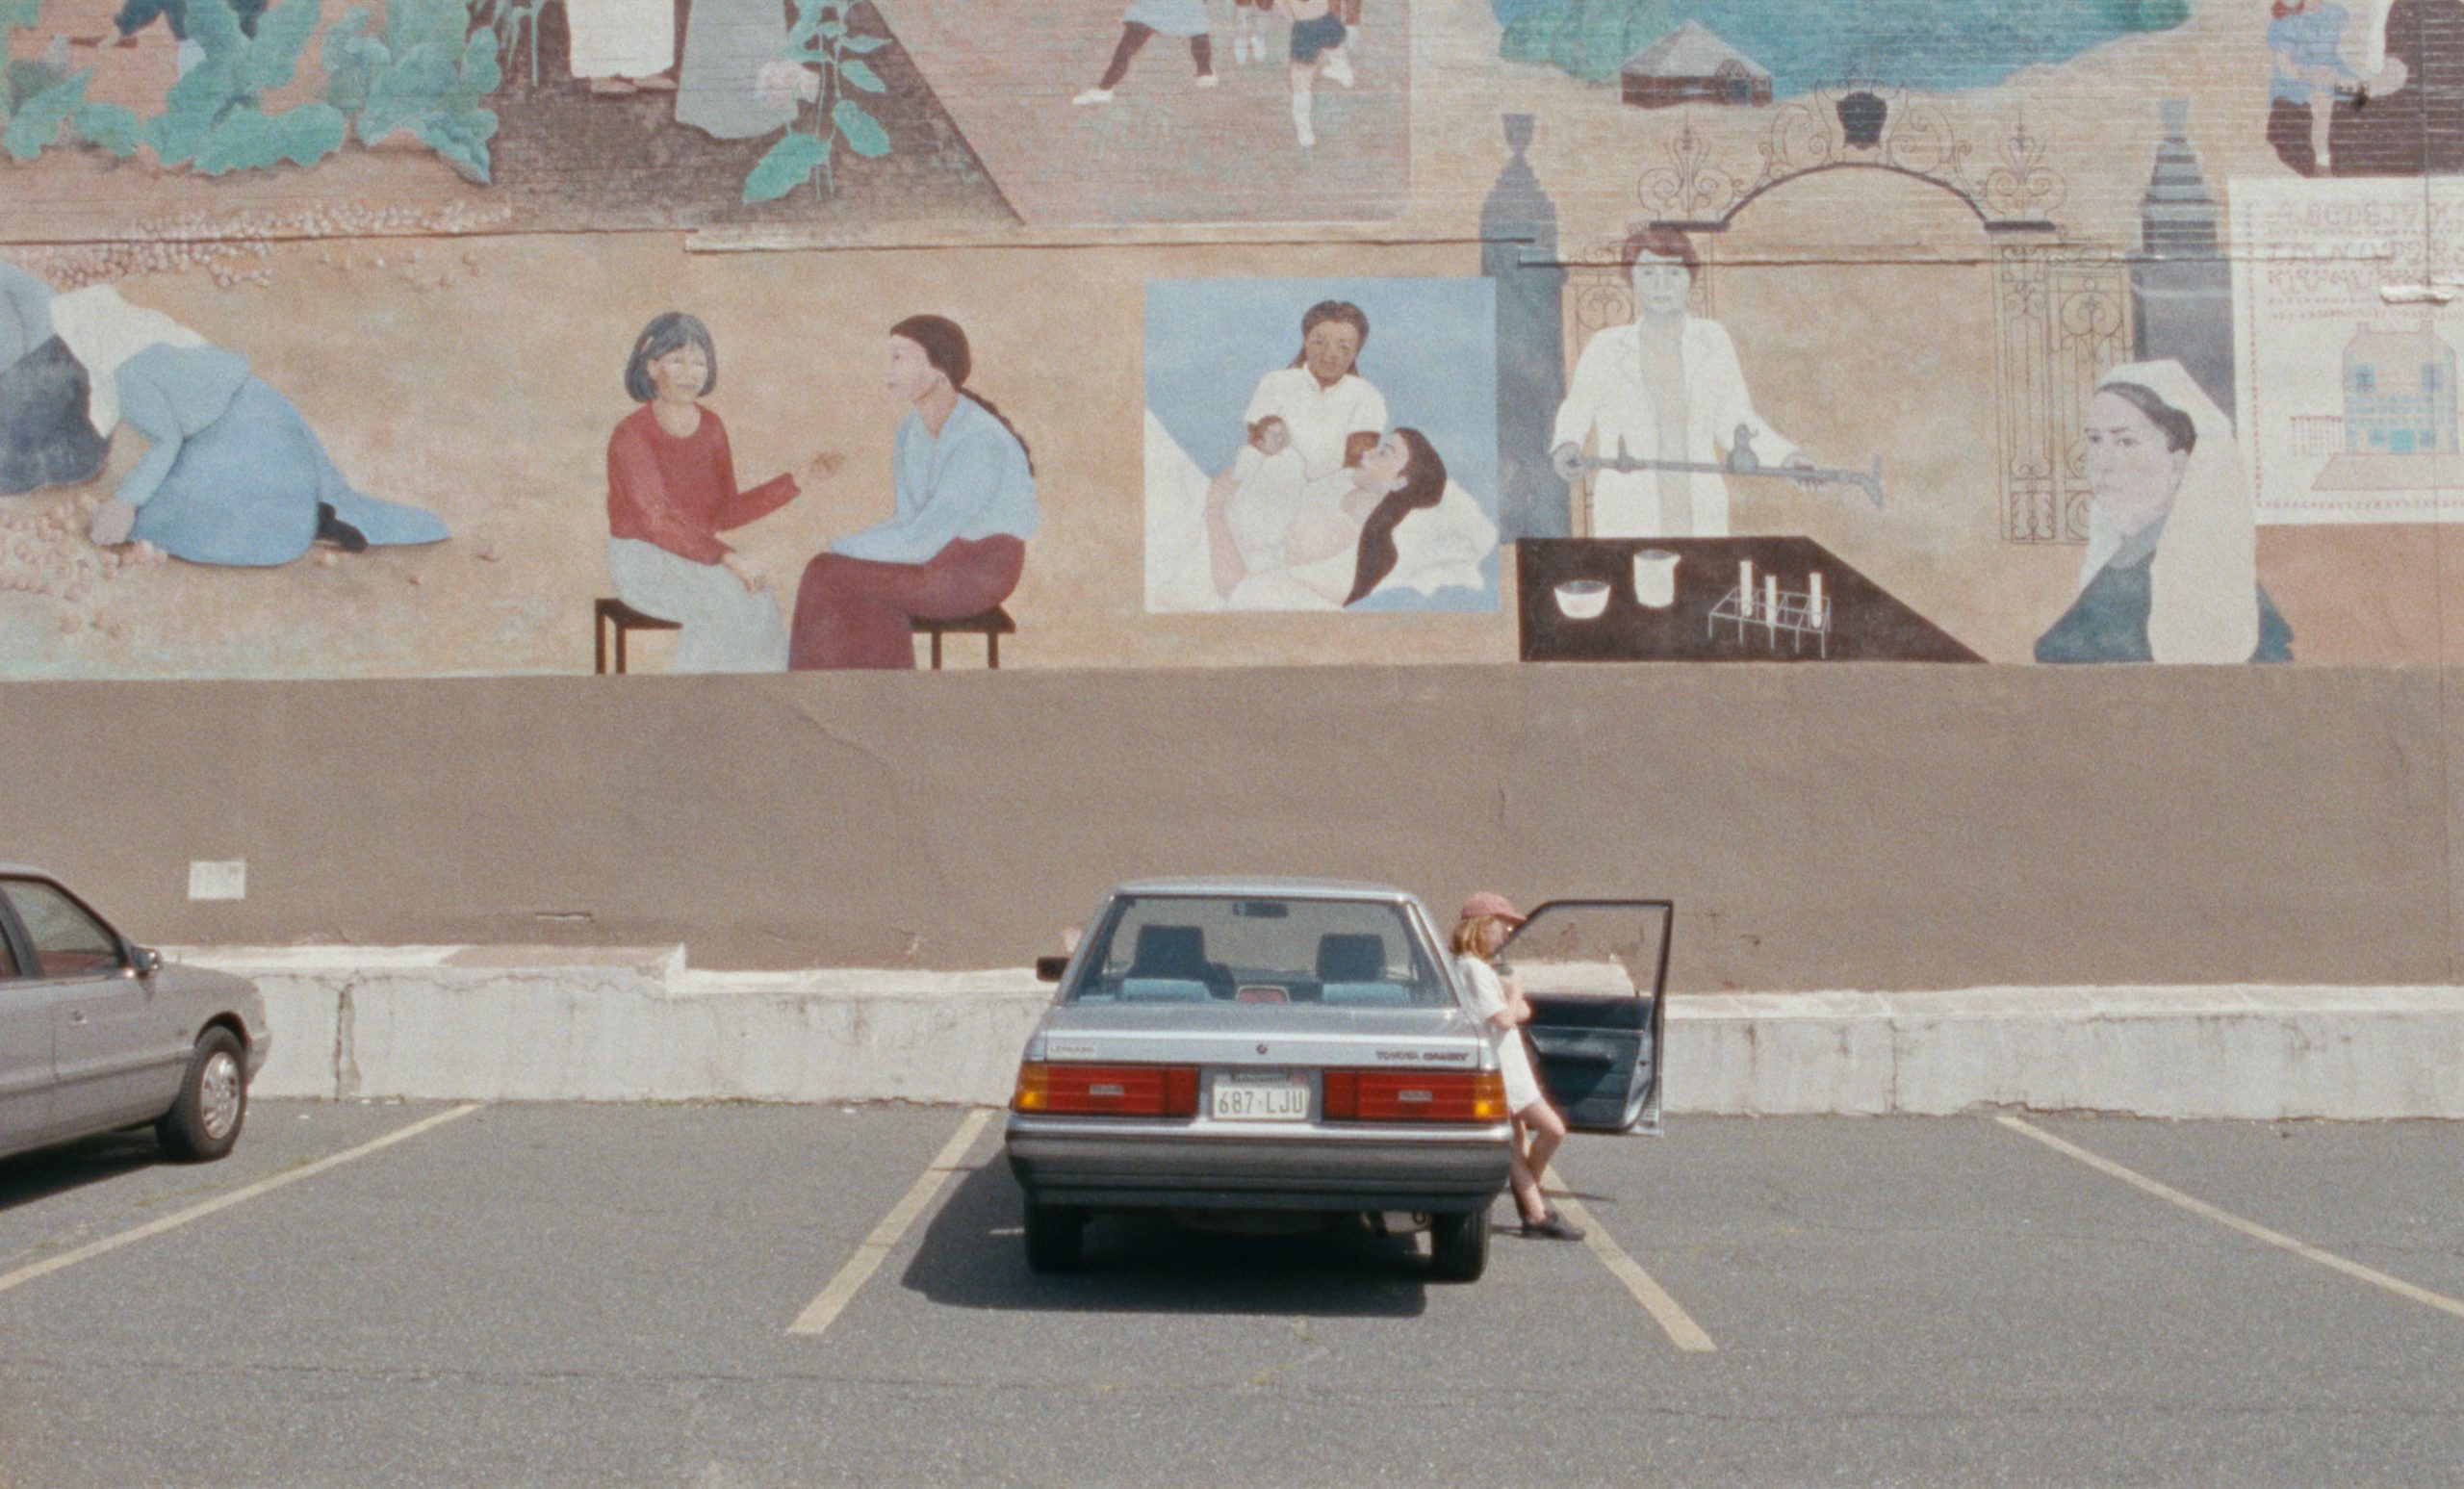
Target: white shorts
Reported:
[(1522, 1087)]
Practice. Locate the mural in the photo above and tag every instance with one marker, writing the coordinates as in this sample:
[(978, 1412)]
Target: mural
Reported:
[(348, 337), (1311, 445)]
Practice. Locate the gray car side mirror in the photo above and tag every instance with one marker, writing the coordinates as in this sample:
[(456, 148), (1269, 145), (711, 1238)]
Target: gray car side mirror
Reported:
[(1048, 970), (146, 961)]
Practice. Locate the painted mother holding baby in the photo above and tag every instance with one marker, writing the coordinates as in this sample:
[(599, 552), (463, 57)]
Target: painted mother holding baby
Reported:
[(1305, 517)]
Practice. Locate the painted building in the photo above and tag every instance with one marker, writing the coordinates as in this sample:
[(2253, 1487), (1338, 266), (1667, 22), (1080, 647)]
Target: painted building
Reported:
[(2399, 393), (1692, 64)]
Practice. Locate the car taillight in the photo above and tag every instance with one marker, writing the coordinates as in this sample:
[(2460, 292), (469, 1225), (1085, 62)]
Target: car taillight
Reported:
[(1415, 1096), (1107, 1090)]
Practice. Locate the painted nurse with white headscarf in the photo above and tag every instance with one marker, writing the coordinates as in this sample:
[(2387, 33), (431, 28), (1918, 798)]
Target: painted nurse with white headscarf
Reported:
[(2171, 568)]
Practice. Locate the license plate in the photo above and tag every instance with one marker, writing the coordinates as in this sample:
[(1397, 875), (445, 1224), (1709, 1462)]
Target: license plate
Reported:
[(1282, 1098)]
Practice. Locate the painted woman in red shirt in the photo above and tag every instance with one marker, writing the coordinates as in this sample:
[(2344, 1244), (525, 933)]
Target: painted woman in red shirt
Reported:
[(672, 491)]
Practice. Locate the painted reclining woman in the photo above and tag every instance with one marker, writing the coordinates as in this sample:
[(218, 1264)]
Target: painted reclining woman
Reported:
[(234, 475), (1280, 541), (672, 491), (957, 543), (2171, 568)]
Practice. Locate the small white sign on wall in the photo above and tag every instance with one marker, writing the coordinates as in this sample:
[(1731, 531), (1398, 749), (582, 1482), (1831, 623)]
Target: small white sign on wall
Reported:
[(225, 878)]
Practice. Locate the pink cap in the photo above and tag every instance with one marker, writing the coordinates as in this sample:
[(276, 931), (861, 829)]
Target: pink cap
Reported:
[(1488, 901)]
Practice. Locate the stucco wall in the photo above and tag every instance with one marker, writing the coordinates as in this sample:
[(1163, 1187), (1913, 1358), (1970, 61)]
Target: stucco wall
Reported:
[(1883, 828)]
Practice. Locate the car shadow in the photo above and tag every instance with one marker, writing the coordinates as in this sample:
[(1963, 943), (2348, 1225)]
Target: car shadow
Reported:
[(971, 1256), (56, 1170)]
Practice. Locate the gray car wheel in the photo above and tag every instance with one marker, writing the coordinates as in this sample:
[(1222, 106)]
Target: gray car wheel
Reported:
[(1458, 1246), (212, 1105)]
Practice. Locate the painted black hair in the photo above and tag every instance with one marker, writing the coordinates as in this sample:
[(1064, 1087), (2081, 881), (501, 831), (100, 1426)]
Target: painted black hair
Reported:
[(946, 348), (660, 337), (2180, 431), (1423, 487)]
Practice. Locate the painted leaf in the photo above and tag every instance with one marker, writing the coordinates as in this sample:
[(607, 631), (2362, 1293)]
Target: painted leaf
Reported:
[(860, 44), (461, 139), (854, 74), (790, 162), (311, 131), (481, 73), (246, 140), (862, 132), (19, 13), (37, 122), (414, 87), (215, 26), (410, 23), (107, 125), (349, 60), (282, 34)]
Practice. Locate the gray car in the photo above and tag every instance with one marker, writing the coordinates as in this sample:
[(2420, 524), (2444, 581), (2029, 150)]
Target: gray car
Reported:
[(96, 1034), (1282, 1044)]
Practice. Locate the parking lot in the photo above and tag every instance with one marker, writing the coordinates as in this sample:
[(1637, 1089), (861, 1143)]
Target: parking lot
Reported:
[(717, 1296)]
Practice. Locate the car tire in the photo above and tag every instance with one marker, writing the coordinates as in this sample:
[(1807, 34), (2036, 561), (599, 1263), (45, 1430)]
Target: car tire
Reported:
[(204, 1123), (1458, 1245), (1053, 1234)]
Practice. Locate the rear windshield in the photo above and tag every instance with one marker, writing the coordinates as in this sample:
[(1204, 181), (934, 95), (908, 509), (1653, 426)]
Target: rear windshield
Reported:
[(1265, 951)]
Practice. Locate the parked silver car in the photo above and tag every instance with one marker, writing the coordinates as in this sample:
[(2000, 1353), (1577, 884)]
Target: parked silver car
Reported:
[(97, 1034)]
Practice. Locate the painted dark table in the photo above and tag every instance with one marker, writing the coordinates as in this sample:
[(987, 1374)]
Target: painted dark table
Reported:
[(1868, 624)]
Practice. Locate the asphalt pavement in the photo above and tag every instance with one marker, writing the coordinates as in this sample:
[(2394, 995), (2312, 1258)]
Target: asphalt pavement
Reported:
[(606, 1295)]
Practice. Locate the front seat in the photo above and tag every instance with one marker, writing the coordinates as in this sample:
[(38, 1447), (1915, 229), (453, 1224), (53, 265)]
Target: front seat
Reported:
[(1178, 953)]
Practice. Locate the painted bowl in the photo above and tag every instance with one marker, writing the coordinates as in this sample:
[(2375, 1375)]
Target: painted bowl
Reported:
[(1583, 600)]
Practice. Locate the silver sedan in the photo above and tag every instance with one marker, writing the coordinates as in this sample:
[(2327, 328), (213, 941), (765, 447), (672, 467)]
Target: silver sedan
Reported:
[(96, 1034), (1267, 1044)]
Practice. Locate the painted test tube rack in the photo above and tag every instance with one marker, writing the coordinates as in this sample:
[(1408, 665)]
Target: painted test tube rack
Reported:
[(1776, 612)]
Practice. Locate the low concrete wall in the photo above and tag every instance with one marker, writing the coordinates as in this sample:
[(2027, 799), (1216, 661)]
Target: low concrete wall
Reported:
[(495, 1024)]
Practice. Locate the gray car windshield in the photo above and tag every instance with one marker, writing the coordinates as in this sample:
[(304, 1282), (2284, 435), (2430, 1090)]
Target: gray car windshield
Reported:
[(1263, 951)]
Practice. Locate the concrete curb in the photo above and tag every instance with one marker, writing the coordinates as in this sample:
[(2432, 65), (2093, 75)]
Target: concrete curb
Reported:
[(520, 1024)]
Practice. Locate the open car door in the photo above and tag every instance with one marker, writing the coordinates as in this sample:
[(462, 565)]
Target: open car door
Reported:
[(1596, 975)]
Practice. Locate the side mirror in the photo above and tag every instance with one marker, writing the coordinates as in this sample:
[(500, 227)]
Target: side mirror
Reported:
[(1048, 970), (145, 959)]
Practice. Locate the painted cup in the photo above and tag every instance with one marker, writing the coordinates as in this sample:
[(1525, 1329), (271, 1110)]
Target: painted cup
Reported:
[(1655, 579)]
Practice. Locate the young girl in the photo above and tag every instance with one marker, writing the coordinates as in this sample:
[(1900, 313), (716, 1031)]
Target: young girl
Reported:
[(1318, 36), (1487, 919)]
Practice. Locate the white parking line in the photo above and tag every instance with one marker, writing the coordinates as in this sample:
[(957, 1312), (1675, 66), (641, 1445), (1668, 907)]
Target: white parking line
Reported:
[(825, 1309), (200, 1211), (1665, 1311), (2225, 1218)]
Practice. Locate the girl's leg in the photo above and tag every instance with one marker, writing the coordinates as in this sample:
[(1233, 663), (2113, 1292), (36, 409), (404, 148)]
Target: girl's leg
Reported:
[(2322, 113), (1304, 79), (1548, 1132), (1527, 1198), (1133, 35), (1202, 53)]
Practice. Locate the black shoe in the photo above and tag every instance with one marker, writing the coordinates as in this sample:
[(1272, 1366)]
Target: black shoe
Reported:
[(331, 529), (1553, 1226)]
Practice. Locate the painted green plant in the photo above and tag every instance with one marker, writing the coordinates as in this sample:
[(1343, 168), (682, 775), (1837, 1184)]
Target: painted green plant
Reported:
[(425, 72), (41, 99), (821, 39), (215, 119)]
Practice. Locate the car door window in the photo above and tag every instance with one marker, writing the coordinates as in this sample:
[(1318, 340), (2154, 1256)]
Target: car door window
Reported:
[(68, 941)]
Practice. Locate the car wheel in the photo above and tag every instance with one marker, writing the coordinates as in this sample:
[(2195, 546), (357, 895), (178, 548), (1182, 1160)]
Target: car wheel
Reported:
[(1458, 1245), (214, 1101), (1053, 1236)]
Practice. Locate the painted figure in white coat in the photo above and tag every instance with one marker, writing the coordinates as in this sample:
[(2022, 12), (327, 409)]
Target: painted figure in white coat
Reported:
[(1665, 387)]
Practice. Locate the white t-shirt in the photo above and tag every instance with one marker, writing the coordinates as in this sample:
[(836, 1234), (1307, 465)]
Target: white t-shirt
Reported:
[(1488, 1000), (1319, 419)]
